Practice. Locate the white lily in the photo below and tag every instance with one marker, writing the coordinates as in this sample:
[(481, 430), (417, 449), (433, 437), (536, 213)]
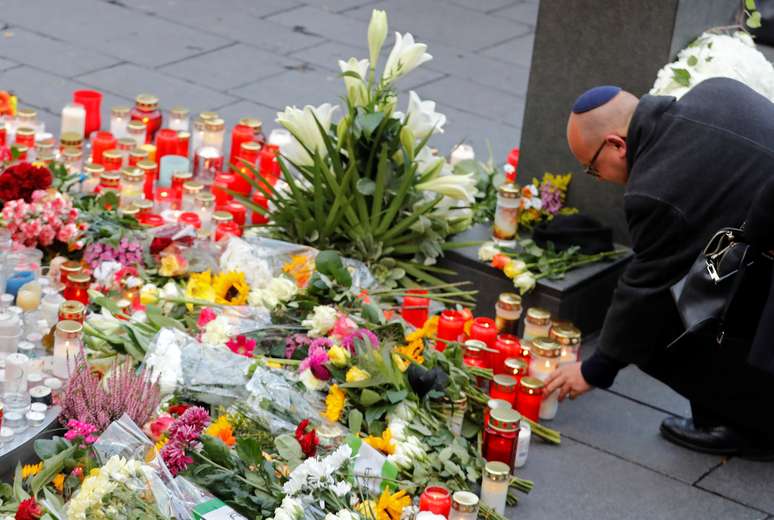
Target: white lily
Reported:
[(422, 118), (459, 187), (377, 32), (405, 56), (357, 92), (301, 124)]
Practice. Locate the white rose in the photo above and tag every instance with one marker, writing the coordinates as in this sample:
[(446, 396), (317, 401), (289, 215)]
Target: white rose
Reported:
[(525, 282), (282, 289), (322, 320), (487, 251)]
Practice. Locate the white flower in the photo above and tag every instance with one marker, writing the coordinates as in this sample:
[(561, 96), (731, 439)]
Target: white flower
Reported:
[(321, 321), (302, 125), (217, 332), (404, 57), (518, 266), (357, 92), (427, 515), (422, 118), (530, 197), (310, 382), (487, 251), (459, 187), (105, 273), (290, 509), (133, 282), (240, 256), (339, 457), (262, 298), (341, 488), (170, 290), (377, 32), (282, 288), (525, 282)]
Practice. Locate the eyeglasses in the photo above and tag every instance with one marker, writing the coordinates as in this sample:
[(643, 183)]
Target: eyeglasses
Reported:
[(590, 170)]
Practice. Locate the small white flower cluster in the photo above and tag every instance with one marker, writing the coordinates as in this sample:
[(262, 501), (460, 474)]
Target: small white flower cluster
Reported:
[(322, 319), (105, 273), (344, 514), (218, 331), (316, 475), (100, 484), (487, 251), (409, 449), (290, 509), (278, 290), (712, 56)]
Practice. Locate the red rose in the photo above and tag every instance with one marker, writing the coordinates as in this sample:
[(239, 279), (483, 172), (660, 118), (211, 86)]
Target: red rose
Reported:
[(159, 244), (29, 510), (307, 439), (178, 409)]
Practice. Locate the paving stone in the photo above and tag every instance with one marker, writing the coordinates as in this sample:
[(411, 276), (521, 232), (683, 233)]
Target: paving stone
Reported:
[(630, 430), (577, 482), (182, 9), (436, 21), (517, 50), (524, 12), (68, 21), (484, 5), (477, 131), (7, 64), (54, 56), (295, 87), (745, 481), (319, 22), (479, 69), (338, 6), (49, 92), (129, 80), (488, 102), (230, 67), (327, 55), (231, 114)]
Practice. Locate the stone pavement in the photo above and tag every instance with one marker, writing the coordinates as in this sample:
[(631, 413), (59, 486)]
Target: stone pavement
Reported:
[(252, 57)]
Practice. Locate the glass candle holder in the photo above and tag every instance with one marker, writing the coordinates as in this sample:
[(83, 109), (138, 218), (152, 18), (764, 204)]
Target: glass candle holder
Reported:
[(530, 398), (178, 181), (179, 119), (190, 190), (68, 268), (451, 325), (537, 323), (268, 164), (474, 355), (164, 199), (183, 143), (189, 218), (109, 180), (506, 217), (517, 367), (220, 217), (257, 217), (136, 130), (119, 119), (227, 229), (150, 171), (245, 159), (10, 332), (508, 312), (150, 220), (132, 185), (464, 506), (501, 435), (25, 136), (136, 155), (436, 499), (29, 295), (569, 337), (197, 133), (492, 404), (504, 387), (100, 143), (70, 140), (67, 345), (16, 396), (545, 360), (72, 310), (77, 288), (168, 165), (146, 110), (239, 134), (205, 205), (72, 159), (484, 329), (238, 210), (257, 126), (125, 146), (222, 183), (415, 307), (494, 486), (73, 119), (507, 346), (91, 100), (522, 450), (166, 143), (112, 160)]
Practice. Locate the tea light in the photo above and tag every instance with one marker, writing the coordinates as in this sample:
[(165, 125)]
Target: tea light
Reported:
[(28, 349), (41, 395), (537, 323), (34, 378), (15, 422), (494, 485), (35, 419), (53, 384), (39, 407), (6, 435)]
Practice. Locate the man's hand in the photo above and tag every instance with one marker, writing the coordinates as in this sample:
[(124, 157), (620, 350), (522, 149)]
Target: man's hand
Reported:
[(568, 379)]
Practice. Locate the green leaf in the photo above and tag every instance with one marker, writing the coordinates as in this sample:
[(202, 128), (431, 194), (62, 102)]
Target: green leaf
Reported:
[(368, 397), (289, 449), (366, 186), (355, 421), (692, 61), (51, 467), (216, 450), (328, 262), (681, 76), (372, 313), (374, 413), (749, 5), (350, 74), (370, 122), (249, 451), (396, 396), (754, 21), (156, 317), (47, 448), (55, 505), (18, 488)]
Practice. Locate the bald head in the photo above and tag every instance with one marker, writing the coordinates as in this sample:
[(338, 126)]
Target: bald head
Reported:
[(587, 129)]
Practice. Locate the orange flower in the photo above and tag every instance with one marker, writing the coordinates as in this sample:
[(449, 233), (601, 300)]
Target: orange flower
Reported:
[(222, 430), (58, 482), (500, 261), (383, 443), (300, 268)]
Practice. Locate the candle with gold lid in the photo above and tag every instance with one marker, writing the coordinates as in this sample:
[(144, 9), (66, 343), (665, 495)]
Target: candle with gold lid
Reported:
[(506, 219), (73, 119), (494, 485), (70, 139), (132, 184), (67, 345), (545, 360), (190, 190), (136, 130), (179, 118), (537, 323), (146, 110), (72, 158), (569, 337), (530, 398), (112, 160), (508, 312), (464, 506), (119, 119)]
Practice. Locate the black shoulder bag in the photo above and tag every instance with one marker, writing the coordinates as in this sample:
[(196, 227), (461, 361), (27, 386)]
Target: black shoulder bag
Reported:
[(704, 296)]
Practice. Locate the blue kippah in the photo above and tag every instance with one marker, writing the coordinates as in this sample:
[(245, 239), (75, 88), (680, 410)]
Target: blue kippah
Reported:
[(595, 97)]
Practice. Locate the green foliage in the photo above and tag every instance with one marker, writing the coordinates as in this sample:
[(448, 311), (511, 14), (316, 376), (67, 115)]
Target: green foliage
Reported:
[(681, 76)]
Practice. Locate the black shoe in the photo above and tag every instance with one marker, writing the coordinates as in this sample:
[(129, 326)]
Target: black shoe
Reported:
[(716, 440)]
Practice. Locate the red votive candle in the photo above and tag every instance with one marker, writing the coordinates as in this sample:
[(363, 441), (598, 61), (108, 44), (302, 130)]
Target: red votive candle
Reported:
[(237, 210), (222, 183), (167, 143), (518, 368), (190, 218), (183, 140), (247, 155), (436, 499), (146, 110), (239, 134), (269, 164), (503, 387), (529, 397), (492, 404), (150, 220), (258, 217), (502, 436), (150, 170), (68, 268), (77, 288), (507, 346), (415, 307), (485, 329), (225, 229), (91, 101), (164, 199), (451, 325), (101, 142)]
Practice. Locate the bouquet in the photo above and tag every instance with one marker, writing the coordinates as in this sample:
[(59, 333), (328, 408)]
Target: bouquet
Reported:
[(48, 220), (543, 199), (21, 180)]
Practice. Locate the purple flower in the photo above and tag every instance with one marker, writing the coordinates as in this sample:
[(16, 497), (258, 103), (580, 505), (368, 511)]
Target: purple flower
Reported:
[(551, 198), (315, 362), (173, 454), (294, 342), (364, 336), (190, 425)]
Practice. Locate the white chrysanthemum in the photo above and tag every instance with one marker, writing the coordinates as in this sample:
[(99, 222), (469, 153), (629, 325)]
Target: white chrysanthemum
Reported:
[(105, 273), (322, 319)]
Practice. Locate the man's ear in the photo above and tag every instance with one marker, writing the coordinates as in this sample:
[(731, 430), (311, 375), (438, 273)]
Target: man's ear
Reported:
[(617, 142)]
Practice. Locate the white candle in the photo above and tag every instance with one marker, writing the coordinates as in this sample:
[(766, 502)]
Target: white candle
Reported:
[(67, 345), (461, 152), (464, 506), (73, 119), (494, 486), (280, 137), (545, 360), (28, 297), (10, 331), (522, 450), (550, 403), (16, 369)]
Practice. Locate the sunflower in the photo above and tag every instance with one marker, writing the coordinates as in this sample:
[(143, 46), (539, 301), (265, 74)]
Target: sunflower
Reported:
[(231, 288), (222, 430), (390, 505), (383, 443), (30, 470), (334, 403), (58, 482), (199, 287)]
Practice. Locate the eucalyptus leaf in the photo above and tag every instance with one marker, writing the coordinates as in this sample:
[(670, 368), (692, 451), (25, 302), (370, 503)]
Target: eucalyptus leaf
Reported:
[(289, 449), (692, 61)]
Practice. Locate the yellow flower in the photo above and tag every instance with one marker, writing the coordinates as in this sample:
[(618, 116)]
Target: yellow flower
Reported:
[(356, 374), (390, 505), (383, 443), (30, 470), (149, 294), (401, 363), (231, 288), (170, 266), (300, 268), (199, 287), (334, 403), (413, 350), (367, 509), (58, 482), (338, 356), (156, 449), (222, 429), (514, 268)]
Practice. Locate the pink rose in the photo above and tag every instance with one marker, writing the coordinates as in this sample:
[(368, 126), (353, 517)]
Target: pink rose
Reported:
[(344, 326)]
